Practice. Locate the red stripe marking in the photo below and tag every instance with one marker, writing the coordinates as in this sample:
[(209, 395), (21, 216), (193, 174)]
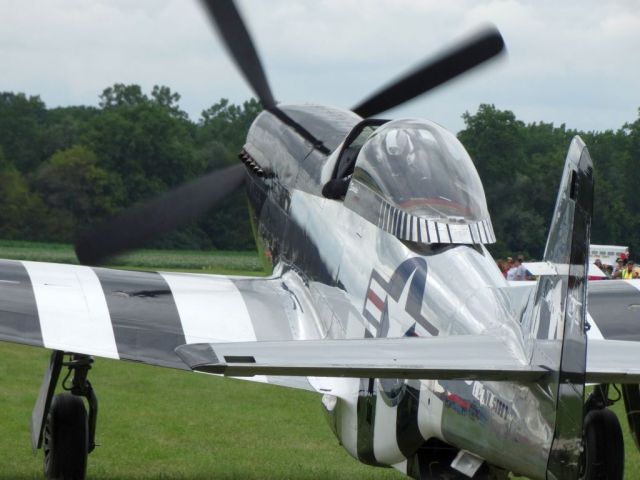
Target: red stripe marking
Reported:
[(459, 401), (375, 299)]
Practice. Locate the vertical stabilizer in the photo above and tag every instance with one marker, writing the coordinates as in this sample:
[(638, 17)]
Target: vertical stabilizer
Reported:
[(559, 309)]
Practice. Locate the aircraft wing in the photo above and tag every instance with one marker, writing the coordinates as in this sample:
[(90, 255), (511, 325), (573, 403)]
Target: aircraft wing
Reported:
[(456, 357), (613, 349), (614, 309), (142, 316), (613, 315), (613, 361), (461, 357), (245, 326)]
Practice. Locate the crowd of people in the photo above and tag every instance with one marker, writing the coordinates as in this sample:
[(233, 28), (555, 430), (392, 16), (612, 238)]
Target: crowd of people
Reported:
[(514, 269), (624, 269)]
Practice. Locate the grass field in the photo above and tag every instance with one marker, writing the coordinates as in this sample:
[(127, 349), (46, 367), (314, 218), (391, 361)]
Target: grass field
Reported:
[(157, 423), (160, 424), (237, 263)]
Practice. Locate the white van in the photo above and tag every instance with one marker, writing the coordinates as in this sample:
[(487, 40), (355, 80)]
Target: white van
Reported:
[(607, 253)]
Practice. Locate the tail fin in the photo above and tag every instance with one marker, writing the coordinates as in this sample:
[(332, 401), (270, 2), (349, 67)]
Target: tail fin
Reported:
[(559, 308)]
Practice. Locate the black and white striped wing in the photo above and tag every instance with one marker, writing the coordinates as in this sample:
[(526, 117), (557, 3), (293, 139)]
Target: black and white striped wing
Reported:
[(138, 316)]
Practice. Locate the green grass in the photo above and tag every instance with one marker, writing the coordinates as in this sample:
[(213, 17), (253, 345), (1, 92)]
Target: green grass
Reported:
[(223, 262), (157, 423), (631, 455)]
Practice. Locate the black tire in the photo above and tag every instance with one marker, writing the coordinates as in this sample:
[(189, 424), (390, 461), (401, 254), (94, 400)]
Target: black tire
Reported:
[(65, 442), (603, 456)]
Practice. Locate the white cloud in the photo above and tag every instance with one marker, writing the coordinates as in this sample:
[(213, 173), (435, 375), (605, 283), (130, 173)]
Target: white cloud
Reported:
[(571, 62)]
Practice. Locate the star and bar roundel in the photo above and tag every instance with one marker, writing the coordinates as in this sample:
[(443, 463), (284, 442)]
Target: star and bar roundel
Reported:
[(380, 290)]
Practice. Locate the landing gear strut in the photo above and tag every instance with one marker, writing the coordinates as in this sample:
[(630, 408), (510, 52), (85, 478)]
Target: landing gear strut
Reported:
[(603, 454), (60, 425)]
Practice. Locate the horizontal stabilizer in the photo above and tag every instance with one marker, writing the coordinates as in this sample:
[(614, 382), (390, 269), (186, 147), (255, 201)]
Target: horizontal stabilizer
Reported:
[(613, 361), (547, 268), (468, 357)]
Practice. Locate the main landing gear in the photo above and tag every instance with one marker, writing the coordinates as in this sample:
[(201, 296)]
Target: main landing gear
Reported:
[(65, 442), (603, 445), (60, 424)]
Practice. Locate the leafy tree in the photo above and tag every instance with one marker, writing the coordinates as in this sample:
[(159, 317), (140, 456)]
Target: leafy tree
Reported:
[(64, 168), (221, 134), (223, 130), (165, 98), (120, 95), (145, 141), (24, 215), (520, 166), (495, 141), (21, 120), (72, 181), (65, 127)]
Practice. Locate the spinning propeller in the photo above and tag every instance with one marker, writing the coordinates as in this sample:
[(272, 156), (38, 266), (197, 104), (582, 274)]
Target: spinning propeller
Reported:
[(178, 207)]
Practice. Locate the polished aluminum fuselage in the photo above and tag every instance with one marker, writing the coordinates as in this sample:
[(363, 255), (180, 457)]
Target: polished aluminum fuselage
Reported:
[(365, 282)]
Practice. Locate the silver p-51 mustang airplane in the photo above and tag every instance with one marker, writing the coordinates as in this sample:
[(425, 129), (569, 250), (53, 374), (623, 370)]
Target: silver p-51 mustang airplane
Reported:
[(384, 298)]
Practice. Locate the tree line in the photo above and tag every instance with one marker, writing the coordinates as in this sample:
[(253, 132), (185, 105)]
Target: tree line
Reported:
[(520, 165), (64, 169)]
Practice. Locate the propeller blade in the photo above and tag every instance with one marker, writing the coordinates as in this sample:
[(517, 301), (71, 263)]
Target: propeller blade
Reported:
[(239, 44), (463, 57), (142, 223)]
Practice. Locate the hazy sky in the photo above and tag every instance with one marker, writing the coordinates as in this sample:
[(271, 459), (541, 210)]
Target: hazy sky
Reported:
[(573, 62)]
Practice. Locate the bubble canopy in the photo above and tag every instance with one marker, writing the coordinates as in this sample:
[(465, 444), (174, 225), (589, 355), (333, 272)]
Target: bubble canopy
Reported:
[(424, 170)]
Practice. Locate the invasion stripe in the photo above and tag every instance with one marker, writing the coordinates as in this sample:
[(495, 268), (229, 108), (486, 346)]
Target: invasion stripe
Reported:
[(269, 323), (408, 434), (145, 318), (366, 411), (18, 312), (72, 309), (211, 309), (385, 445)]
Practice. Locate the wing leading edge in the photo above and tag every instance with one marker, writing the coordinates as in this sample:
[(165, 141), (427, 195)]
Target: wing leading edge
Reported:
[(464, 357), (141, 316), (148, 317), (456, 357)]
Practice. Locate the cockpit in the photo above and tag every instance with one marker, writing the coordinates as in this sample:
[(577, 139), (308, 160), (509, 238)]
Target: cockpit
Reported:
[(415, 180)]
